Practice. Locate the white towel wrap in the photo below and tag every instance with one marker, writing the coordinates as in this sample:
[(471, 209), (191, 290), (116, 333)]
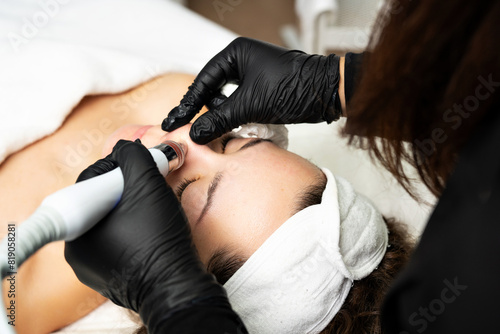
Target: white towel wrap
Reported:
[(297, 281)]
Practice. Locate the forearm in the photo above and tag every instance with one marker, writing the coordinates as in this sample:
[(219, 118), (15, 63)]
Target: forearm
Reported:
[(341, 86), (349, 70)]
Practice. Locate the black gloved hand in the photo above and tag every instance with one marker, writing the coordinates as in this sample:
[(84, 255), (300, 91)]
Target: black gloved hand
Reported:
[(141, 255), (276, 86)]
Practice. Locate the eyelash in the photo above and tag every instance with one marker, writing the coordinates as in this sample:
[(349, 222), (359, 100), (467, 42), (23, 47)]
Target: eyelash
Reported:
[(186, 182), (225, 140), (183, 186)]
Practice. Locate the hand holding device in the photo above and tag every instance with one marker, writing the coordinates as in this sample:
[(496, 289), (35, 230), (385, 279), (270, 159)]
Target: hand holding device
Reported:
[(276, 86), (141, 254)]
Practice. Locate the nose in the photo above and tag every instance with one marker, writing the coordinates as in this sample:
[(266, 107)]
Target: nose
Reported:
[(200, 160), (155, 135)]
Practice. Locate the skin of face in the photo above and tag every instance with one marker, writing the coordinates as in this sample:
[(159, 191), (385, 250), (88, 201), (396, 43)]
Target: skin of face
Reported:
[(256, 187)]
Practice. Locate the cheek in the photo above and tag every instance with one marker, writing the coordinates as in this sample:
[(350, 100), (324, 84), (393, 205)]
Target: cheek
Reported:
[(239, 225), (222, 227), (219, 230)]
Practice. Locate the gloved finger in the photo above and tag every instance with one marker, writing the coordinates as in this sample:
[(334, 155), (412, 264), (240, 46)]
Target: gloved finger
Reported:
[(179, 120), (216, 122), (216, 73), (183, 113), (216, 101), (146, 196), (140, 173), (101, 166)]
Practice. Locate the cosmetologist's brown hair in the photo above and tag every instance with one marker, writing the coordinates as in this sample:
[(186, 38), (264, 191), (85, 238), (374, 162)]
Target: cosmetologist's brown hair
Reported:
[(432, 75)]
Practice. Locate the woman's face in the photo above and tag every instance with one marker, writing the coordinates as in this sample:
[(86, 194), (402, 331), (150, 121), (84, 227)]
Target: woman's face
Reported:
[(235, 192)]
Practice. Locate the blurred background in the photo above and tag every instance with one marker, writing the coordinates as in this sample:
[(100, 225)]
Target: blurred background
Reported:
[(260, 19), (315, 26)]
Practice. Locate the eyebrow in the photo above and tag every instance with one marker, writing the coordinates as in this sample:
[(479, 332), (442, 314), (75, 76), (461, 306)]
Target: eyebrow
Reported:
[(217, 179), (254, 142), (210, 196)]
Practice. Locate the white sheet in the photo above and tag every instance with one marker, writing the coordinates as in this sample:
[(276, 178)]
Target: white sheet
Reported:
[(54, 52)]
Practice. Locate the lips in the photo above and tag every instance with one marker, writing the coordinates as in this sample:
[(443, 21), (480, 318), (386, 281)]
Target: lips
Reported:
[(128, 132), (140, 132)]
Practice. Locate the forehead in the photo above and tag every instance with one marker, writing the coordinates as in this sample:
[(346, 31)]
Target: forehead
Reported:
[(257, 193)]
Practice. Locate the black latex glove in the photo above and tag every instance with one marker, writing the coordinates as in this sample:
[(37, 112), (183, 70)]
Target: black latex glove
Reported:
[(141, 255), (276, 86)]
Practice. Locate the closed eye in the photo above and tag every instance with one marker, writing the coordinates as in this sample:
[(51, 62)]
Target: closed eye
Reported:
[(226, 139), (184, 184)]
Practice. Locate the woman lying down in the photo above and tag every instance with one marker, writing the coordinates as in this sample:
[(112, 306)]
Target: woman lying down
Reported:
[(297, 250)]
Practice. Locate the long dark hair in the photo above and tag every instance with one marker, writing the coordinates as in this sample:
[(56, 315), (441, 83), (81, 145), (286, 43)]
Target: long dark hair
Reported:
[(420, 84)]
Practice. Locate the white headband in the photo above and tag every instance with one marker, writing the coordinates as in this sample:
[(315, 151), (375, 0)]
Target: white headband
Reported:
[(297, 281)]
